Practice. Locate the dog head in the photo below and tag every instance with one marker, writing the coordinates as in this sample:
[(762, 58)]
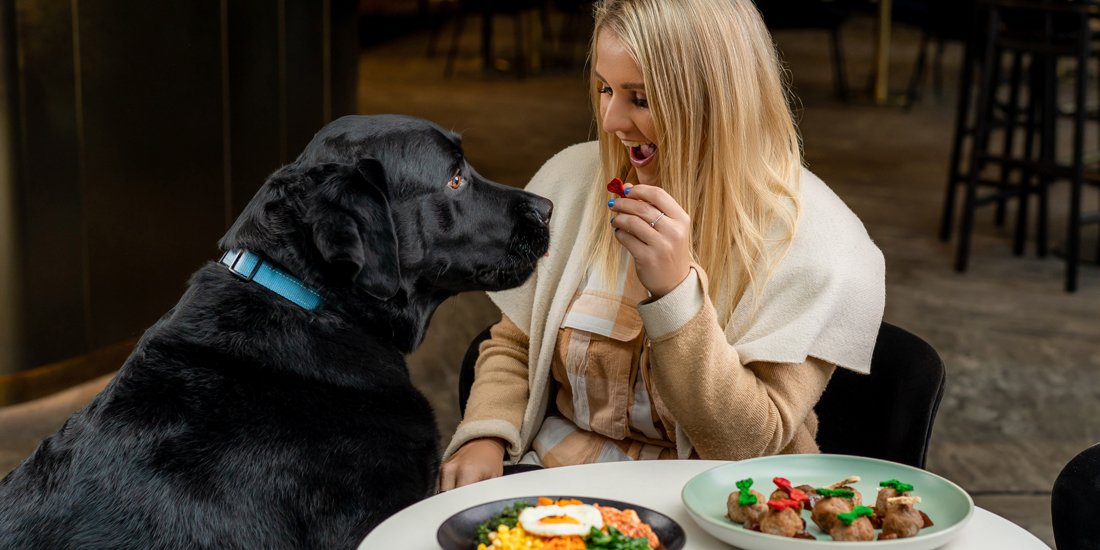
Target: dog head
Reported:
[(386, 208)]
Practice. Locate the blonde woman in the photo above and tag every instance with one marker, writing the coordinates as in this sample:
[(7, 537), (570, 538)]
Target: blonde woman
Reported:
[(701, 312)]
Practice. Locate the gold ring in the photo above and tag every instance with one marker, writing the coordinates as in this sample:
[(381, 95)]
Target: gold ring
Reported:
[(653, 223)]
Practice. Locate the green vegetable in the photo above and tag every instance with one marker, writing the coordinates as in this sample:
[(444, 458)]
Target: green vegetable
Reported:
[(508, 517), (614, 539)]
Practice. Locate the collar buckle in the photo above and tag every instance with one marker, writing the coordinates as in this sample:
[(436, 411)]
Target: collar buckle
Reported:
[(233, 260)]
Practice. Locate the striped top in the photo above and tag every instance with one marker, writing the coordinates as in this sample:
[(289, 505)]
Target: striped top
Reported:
[(607, 408)]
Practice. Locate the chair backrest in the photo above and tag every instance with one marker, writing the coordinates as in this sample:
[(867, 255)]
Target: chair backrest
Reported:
[(889, 413), (466, 373), (1075, 502)]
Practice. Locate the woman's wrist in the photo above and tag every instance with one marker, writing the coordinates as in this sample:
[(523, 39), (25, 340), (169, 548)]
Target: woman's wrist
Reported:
[(487, 441), (668, 313)]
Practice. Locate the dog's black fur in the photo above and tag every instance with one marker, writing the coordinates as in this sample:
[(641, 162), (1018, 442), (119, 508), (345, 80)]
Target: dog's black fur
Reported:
[(244, 421)]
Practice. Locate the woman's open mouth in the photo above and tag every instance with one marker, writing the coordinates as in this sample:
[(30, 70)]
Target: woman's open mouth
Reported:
[(641, 154)]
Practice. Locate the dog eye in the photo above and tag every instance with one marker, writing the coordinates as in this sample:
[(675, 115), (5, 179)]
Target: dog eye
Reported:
[(456, 181)]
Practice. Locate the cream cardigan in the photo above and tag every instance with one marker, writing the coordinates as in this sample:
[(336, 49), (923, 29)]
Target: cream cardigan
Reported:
[(822, 307)]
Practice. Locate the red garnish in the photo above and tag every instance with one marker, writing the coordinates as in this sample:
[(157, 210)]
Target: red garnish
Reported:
[(782, 504), (796, 494), (616, 186)]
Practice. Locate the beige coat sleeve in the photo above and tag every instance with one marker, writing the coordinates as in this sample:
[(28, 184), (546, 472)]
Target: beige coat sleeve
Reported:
[(499, 395), (731, 411)]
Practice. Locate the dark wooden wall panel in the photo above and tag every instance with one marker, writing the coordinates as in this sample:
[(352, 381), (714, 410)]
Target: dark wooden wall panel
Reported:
[(146, 128), (152, 102), (253, 33), (305, 78), (53, 255)]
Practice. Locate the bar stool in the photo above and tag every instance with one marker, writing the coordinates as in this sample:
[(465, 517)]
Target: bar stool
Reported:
[(487, 10), (1040, 33)]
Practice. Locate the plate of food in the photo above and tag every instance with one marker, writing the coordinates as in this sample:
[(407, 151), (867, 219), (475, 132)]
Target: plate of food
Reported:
[(565, 522), (821, 501)]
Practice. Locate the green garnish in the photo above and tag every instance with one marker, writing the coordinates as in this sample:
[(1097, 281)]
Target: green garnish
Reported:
[(896, 485), (614, 539), (508, 517), (745, 498), (849, 517), (842, 493)]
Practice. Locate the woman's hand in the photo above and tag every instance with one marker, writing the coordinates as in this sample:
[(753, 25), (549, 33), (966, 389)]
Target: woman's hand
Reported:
[(476, 460), (657, 232)]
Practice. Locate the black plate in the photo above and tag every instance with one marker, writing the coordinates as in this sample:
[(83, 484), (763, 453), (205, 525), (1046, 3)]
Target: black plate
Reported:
[(460, 530)]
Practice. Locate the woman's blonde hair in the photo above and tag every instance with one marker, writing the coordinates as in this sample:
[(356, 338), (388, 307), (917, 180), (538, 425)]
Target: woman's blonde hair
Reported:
[(728, 149)]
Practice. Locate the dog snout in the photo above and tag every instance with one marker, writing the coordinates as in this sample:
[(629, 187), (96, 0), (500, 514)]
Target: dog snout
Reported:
[(538, 210)]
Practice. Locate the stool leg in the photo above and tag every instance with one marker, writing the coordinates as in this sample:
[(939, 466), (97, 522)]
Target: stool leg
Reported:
[(1010, 115), (962, 111), (1073, 238), (486, 38), (918, 70), (520, 49), (980, 141), (840, 72), (1028, 173), (452, 53), (1048, 118)]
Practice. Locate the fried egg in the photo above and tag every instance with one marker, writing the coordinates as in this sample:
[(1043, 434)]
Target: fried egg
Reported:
[(554, 520)]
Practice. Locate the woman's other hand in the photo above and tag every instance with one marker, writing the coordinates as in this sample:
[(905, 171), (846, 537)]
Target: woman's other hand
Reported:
[(477, 460), (657, 233)]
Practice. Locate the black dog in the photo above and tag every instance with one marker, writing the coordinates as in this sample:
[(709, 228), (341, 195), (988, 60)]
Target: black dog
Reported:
[(249, 419)]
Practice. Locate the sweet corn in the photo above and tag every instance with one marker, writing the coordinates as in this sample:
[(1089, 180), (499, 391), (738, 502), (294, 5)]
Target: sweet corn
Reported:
[(511, 539)]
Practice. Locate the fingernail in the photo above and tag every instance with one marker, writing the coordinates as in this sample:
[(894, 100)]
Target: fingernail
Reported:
[(611, 203), (627, 190)]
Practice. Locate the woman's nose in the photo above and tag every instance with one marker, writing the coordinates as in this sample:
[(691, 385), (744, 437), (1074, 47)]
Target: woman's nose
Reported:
[(614, 118)]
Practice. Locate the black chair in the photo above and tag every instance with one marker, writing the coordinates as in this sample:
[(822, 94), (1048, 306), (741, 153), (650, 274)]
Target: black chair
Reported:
[(1075, 502), (887, 414)]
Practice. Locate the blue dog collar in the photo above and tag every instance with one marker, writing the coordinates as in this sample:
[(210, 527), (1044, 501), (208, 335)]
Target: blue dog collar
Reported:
[(251, 267)]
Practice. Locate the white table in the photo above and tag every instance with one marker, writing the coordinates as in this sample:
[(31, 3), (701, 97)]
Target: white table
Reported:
[(653, 484)]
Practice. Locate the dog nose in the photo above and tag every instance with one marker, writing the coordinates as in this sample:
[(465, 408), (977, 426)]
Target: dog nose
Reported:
[(539, 210)]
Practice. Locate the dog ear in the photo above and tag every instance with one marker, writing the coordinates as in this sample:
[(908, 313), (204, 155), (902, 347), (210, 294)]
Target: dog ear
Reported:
[(353, 227)]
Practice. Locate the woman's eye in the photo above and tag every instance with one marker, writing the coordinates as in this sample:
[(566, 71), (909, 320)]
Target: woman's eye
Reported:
[(641, 102), (456, 181), (604, 89)]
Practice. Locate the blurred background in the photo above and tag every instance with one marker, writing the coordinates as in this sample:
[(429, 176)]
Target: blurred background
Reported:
[(132, 133)]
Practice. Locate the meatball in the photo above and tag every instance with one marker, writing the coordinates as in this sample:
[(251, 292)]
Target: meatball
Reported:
[(785, 523), (890, 489), (825, 511), (902, 519), (748, 515), (860, 530), (846, 484)]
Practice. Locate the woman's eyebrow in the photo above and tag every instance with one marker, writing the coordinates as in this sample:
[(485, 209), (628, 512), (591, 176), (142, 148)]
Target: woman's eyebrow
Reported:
[(627, 86)]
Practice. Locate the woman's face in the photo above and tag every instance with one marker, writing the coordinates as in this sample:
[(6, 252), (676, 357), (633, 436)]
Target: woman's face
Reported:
[(624, 108)]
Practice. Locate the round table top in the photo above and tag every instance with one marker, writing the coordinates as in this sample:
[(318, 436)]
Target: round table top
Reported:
[(654, 484)]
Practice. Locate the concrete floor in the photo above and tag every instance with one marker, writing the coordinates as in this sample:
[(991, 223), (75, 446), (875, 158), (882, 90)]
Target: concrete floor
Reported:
[(1023, 367)]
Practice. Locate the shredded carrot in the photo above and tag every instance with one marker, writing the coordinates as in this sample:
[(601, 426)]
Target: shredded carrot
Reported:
[(628, 522)]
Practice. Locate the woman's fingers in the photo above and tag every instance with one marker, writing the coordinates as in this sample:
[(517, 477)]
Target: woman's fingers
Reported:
[(656, 231), (447, 474), (658, 198)]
